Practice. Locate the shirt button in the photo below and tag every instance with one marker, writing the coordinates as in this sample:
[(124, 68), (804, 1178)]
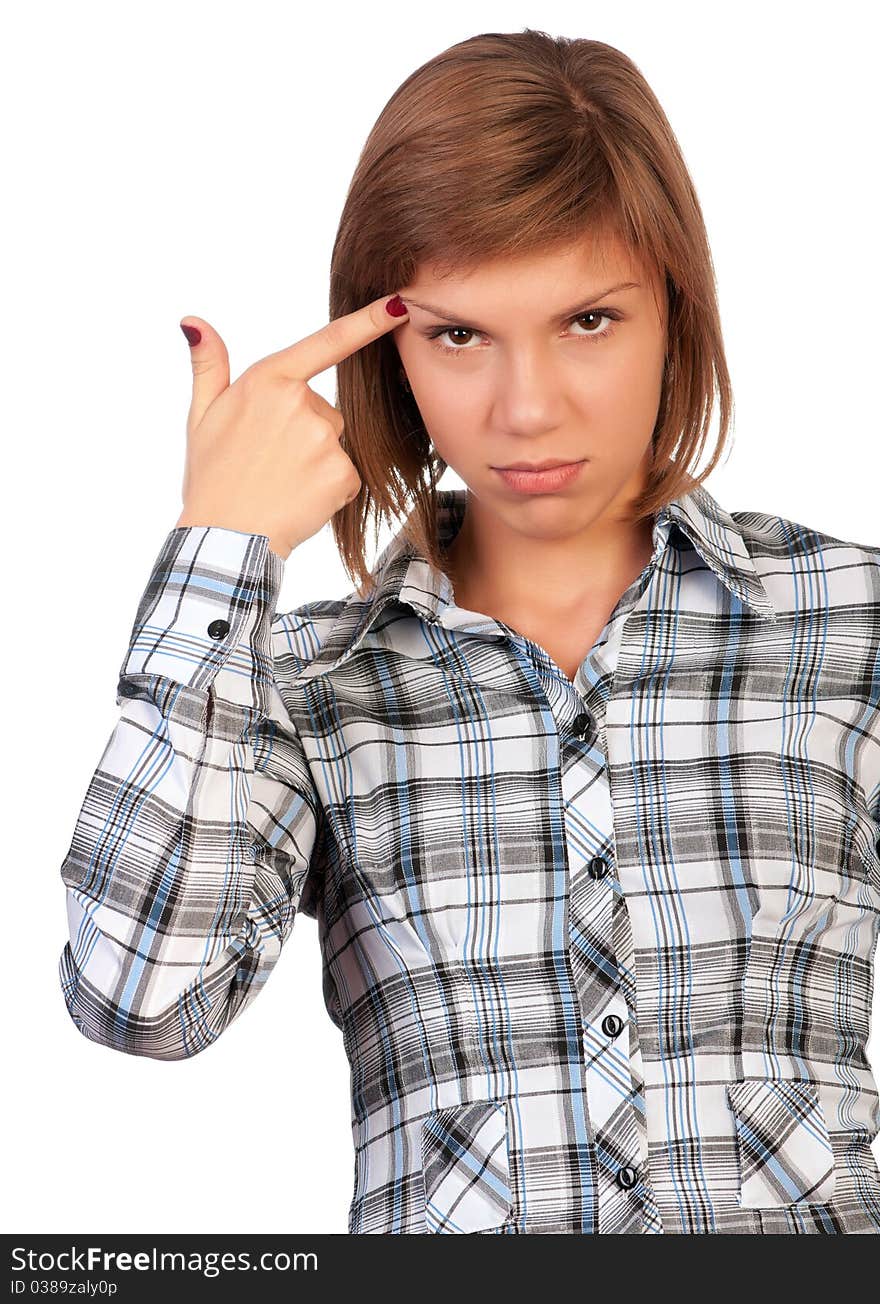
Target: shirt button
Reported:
[(612, 1024), (627, 1177), (599, 867), (218, 628), (580, 724)]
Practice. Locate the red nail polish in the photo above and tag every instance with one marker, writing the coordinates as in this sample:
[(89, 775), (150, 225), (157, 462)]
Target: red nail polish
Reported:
[(396, 307), (192, 333)]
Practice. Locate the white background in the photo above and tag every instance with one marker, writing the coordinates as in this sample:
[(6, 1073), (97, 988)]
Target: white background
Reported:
[(186, 158)]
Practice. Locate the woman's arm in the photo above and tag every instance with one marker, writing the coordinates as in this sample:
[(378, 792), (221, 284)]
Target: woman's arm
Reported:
[(185, 868)]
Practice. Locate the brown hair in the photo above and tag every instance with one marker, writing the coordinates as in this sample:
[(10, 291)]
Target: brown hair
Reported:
[(510, 143)]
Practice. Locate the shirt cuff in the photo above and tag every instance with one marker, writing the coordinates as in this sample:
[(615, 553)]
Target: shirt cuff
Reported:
[(205, 617)]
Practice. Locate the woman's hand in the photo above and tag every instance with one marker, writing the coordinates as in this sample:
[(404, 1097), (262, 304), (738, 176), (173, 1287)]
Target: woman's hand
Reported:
[(263, 454)]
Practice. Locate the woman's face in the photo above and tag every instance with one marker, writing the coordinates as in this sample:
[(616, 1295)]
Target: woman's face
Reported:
[(534, 358)]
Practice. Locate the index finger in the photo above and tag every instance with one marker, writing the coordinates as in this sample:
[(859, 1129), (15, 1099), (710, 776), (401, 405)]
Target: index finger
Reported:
[(337, 340)]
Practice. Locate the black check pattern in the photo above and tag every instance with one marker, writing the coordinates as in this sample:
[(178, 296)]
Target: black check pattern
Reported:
[(600, 951)]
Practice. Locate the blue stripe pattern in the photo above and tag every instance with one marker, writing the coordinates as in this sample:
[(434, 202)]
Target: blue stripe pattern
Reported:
[(601, 948)]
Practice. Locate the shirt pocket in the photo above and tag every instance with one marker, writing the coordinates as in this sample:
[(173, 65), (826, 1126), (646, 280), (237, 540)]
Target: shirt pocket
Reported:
[(466, 1167), (783, 1146)]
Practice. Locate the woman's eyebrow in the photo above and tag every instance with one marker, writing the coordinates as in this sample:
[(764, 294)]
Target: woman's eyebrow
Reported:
[(569, 312)]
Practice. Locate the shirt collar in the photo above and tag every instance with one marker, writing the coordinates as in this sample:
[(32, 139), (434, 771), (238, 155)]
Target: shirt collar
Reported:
[(402, 575)]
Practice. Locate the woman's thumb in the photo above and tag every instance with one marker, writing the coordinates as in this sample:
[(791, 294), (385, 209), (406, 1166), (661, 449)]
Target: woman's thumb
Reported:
[(210, 366)]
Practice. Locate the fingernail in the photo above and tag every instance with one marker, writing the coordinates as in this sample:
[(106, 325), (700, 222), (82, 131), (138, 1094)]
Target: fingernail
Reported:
[(396, 307), (192, 333)]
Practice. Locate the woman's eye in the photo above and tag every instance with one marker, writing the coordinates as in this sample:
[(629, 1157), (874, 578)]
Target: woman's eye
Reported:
[(597, 314), (451, 330), (593, 316)]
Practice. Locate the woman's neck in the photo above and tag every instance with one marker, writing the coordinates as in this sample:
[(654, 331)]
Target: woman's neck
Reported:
[(513, 576)]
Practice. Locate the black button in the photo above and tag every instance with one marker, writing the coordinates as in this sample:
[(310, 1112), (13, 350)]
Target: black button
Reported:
[(218, 628), (627, 1177), (580, 724), (611, 1024), (599, 867)]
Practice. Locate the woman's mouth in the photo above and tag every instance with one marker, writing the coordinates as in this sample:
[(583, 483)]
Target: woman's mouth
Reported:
[(542, 481)]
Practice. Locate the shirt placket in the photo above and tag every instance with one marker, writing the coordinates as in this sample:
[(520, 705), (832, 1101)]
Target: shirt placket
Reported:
[(600, 936)]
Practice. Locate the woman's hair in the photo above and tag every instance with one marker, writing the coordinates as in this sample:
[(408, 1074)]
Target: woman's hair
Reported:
[(505, 144)]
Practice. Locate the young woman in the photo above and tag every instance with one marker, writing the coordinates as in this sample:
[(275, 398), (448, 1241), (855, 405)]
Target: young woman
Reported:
[(581, 780)]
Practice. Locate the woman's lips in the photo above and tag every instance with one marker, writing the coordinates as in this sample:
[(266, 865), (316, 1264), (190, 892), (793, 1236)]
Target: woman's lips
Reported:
[(540, 482)]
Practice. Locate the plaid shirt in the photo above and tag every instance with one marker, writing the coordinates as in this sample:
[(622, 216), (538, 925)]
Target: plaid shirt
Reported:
[(600, 951)]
